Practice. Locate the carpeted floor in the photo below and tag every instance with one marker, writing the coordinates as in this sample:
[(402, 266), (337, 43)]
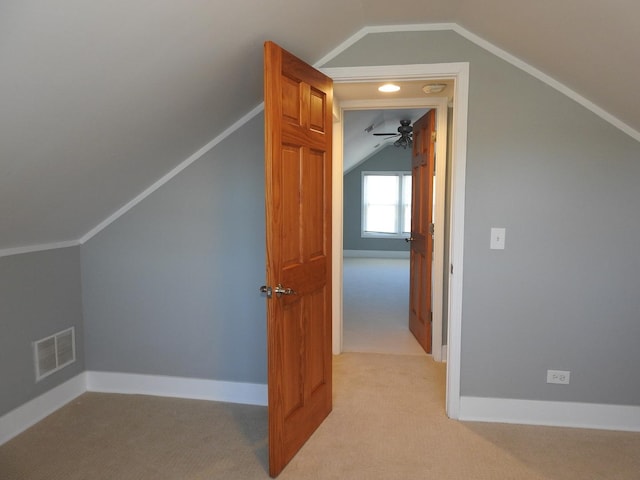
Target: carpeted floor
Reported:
[(376, 307), (388, 423)]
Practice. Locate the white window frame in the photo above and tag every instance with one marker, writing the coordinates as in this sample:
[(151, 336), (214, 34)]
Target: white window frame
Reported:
[(400, 207)]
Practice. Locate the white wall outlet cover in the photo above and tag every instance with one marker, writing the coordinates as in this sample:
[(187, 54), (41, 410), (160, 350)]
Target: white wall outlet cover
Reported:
[(498, 235), (562, 377)]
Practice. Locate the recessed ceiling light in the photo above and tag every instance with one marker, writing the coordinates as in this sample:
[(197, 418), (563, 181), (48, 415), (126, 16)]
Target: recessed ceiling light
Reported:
[(388, 88), (434, 88)]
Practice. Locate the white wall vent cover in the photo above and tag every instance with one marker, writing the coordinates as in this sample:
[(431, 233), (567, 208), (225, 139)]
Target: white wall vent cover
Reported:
[(54, 352)]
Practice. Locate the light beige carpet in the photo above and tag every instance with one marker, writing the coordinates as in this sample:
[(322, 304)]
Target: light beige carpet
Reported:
[(388, 423), (376, 307)]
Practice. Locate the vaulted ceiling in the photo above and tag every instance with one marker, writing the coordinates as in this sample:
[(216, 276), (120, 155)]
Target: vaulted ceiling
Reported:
[(98, 100)]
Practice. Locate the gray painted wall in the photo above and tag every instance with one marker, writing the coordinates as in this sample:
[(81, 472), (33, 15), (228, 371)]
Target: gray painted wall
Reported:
[(171, 287), (564, 183), (388, 159), (40, 294)]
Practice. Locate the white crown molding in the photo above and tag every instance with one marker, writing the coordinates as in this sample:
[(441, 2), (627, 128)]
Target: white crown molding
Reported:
[(553, 414), (30, 413), (359, 35), (543, 77), (498, 52), (184, 164), (513, 60), (37, 248), (179, 387)]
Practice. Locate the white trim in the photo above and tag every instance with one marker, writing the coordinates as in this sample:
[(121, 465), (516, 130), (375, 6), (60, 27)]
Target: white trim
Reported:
[(37, 248), (380, 29), (353, 39), (515, 61), (400, 175), (498, 52), (460, 73), (418, 71), (374, 254), (337, 240), (456, 239), (543, 77), (175, 171), (556, 414), (27, 415), (180, 387), (376, 103), (23, 417), (437, 268)]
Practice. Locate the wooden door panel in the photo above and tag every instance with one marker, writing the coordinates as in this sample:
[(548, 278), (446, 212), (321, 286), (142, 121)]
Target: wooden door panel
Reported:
[(291, 100), (291, 247), (422, 241), (317, 114), (316, 339), (313, 207), (298, 108), (292, 360)]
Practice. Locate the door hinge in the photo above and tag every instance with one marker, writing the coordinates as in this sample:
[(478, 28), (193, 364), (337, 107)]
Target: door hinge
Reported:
[(452, 269), (434, 136), (432, 228)]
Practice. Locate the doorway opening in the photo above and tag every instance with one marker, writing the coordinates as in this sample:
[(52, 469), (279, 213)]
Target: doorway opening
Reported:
[(377, 226), (459, 73), (411, 108)]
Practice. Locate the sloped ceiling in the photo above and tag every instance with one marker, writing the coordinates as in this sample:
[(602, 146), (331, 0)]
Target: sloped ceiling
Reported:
[(100, 99), (362, 127)]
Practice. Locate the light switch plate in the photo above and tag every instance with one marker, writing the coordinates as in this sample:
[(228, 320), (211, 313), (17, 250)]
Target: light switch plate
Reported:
[(497, 238)]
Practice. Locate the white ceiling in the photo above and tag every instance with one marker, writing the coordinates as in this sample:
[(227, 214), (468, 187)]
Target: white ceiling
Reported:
[(360, 144), (100, 99)]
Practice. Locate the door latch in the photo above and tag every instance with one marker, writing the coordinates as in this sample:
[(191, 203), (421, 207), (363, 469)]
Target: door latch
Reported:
[(279, 291)]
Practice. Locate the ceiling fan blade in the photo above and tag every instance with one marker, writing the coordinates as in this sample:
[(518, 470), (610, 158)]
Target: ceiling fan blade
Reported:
[(378, 134)]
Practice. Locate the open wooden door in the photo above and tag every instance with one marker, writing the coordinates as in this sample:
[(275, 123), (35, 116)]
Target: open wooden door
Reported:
[(421, 240), (298, 131)]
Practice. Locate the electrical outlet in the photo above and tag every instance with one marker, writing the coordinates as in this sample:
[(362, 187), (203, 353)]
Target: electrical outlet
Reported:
[(558, 376)]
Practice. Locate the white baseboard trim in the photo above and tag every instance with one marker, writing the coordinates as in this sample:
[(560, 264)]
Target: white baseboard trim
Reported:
[(25, 416), (374, 254), (164, 386), (555, 414)]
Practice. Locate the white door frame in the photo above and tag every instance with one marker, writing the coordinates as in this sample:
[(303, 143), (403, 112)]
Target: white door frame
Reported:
[(459, 72), (440, 104)]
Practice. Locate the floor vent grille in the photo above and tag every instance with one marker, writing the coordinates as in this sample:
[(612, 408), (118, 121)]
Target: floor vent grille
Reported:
[(54, 352)]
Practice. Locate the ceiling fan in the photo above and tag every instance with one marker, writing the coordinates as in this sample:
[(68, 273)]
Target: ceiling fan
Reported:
[(404, 133)]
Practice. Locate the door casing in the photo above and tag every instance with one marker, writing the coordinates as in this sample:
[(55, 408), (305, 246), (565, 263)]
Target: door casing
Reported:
[(459, 72)]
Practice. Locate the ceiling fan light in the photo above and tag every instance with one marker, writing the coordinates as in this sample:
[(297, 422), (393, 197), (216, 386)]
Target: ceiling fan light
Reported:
[(388, 88), (434, 88), (403, 142)]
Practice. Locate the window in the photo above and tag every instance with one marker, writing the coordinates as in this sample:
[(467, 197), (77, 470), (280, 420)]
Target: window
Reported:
[(386, 204)]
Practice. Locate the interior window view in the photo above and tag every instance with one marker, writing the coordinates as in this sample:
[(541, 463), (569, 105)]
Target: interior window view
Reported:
[(367, 251)]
